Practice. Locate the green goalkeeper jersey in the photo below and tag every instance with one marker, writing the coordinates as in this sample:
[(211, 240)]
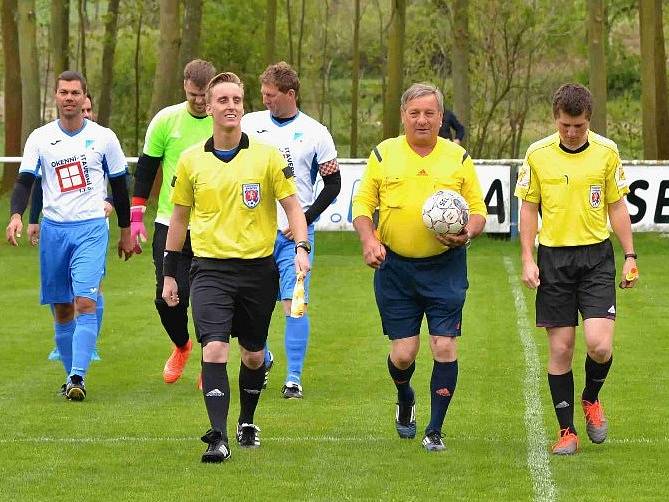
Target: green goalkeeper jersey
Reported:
[(172, 131)]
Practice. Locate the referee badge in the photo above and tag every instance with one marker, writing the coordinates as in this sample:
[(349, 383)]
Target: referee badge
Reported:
[(251, 194), (595, 196)]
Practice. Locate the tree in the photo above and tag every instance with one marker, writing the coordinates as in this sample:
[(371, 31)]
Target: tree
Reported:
[(60, 35), (289, 25), (168, 55), (192, 27), (81, 4), (300, 37), (270, 32), (109, 47), (653, 81), (597, 36), (12, 87), (138, 39), (461, 90), (391, 115), (355, 77), (29, 64)]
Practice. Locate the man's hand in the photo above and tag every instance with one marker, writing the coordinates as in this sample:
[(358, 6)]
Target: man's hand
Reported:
[(530, 275), (126, 245), (287, 233), (302, 264), (170, 291), (108, 208), (14, 229), (137, 230), (454, 241), (33, 233), (630, 274), (373, 251)]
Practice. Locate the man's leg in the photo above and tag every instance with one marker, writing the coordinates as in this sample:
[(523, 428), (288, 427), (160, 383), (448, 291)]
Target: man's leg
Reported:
[(401, 365), (251, 378), (216, 392), (599, 343), (64, 325), (561, 382), (99, 314), (442, 387)]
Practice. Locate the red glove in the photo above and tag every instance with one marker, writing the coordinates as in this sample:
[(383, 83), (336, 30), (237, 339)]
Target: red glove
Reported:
[(137, 230)]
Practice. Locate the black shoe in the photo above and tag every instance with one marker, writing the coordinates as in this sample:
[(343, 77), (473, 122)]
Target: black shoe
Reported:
[(61, 392), (268, 367), (75, 390), (433, 442), (248, 435), (292, 390), (217, 447), (405, 420)]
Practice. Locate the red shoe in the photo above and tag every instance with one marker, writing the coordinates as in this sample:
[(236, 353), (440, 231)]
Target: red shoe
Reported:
[(595, 422), (567, 444), (199, 381), (174, 366)]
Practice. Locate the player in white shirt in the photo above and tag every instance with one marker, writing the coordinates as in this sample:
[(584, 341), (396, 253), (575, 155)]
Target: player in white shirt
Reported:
[(309, 150), (73, 155)]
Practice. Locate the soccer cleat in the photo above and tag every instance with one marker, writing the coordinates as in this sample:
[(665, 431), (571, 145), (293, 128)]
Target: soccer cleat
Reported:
[(217, 447), (199, 381), (268, 366), (248, 435), (174, 366), (292, 390), (567, 444), (75, 390), (433, 442), (405, 420), (62, 390), (595, 422)]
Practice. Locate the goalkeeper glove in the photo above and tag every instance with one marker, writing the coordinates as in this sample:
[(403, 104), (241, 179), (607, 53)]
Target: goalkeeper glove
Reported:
[(137, 230)]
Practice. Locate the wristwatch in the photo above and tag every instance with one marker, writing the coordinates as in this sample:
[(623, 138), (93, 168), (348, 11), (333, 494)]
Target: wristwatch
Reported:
[(630, 255), (304, 245)]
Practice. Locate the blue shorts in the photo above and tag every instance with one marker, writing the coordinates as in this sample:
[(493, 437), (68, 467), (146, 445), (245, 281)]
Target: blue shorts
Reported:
[(408, 288), (284, 254), (72, 259)]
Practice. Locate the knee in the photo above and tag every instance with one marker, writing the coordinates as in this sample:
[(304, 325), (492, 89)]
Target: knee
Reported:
[(444, 348), (84, 305), (600, 353), (253, 360), (403, 358), (63, 312), (215, 352)]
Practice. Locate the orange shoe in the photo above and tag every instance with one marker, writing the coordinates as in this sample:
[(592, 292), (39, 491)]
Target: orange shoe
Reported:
[(174, 366), (595, 422), (567, 444), (199, 381)]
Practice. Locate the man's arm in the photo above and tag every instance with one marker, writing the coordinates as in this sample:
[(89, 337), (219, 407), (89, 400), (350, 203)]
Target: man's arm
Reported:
[(145, 175), (529, 214), (298, 228), (622, 227), (176, 236), (19, 202), (459, 129), (119, 189), (331, 187), (373, 250)]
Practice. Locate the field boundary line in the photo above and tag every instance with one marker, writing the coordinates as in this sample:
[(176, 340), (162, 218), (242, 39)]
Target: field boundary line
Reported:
[(537, 453)]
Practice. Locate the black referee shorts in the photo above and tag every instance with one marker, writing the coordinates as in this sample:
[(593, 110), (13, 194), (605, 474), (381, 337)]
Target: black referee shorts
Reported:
[(233, 298), (575, 279)]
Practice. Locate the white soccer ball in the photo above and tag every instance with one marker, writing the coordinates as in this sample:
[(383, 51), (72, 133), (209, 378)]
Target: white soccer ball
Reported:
[(445, 212)]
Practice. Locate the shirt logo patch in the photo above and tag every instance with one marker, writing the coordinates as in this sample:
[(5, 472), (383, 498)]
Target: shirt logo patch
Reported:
[(422, 173), (524, 177), (70, 177), (595, 196), (251, 194), (297, 136), (89, 143)]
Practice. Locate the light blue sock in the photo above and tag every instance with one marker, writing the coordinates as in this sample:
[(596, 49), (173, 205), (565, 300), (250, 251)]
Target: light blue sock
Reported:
[(268, 354), (63, 337), (99, 311), (83, 343), (296, 339)]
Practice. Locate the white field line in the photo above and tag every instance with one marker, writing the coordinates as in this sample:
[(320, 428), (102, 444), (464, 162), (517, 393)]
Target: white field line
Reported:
[(299, 439), (537, 454)]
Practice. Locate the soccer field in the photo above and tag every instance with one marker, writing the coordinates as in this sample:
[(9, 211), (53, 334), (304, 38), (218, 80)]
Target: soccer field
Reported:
[(135, 438)]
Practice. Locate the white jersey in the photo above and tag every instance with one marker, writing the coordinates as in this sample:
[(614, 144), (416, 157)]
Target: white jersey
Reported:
[(73, 168), (304, 142)]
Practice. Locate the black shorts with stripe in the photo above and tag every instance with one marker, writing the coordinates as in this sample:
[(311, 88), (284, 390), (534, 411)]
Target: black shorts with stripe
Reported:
[(575, 279), (233, 298)]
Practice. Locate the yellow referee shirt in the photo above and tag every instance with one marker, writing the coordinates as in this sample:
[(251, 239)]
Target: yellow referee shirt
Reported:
[(233, 204), (573, 189), (398, 181)]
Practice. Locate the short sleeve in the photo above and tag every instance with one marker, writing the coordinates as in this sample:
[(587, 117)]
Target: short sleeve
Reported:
[(30, 162), (471, 189), (527, 186), (617, 185), (283, 178), (182, 185), (154, 141), (366, 198), (114, 158), (325, 149)]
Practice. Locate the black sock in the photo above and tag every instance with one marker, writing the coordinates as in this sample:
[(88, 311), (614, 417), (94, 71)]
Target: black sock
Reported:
[(402, 379), (250, 386), (442, 387), (595, 374), (562, 393), (216, 391), (175, 321)]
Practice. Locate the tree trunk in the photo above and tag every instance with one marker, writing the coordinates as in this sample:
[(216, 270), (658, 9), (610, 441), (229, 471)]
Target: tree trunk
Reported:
[(190, 39), (597, 63), (325, 64), (138, 38), (82, 35), (355, 81), (168, 55), (60, 35), (653, 81), (289, 23), (12, 97), (270, 32), (29, 63), (391, 116), (461, 105), (299, 40), (109, 47)]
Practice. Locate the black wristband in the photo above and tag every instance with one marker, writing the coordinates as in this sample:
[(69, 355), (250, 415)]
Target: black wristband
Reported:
[(630, 255), (170, 263)]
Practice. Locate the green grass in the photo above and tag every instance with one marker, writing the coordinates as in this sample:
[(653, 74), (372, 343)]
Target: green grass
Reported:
[(135, 438)]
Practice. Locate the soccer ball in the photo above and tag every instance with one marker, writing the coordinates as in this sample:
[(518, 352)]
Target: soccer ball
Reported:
[(445, 212)]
